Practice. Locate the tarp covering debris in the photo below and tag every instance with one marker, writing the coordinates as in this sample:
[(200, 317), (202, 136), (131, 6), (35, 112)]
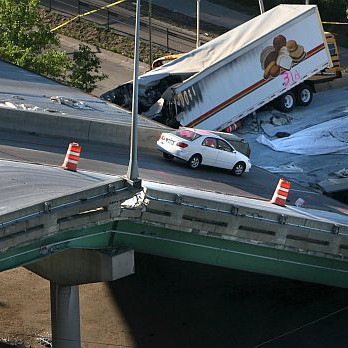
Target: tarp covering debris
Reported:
[(325, 138)]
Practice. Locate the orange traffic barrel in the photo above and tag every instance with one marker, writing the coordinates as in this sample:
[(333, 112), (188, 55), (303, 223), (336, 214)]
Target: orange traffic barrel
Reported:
[(234, 126), (72, 157), (281, 192)]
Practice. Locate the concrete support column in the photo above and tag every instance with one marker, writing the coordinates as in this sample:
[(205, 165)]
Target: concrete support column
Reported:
[(65, 316)]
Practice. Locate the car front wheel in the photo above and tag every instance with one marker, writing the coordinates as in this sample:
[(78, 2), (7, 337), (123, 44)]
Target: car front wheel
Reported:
[(195, 161), (238, 169)]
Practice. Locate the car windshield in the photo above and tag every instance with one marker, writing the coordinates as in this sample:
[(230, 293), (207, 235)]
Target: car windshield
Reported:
[(187, 134)]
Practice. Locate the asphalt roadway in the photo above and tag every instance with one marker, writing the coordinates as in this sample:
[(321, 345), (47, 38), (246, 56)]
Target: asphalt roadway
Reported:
[(24, 184), (257, 184)]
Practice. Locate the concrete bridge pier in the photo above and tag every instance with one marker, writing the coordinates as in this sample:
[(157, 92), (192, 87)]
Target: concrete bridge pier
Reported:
[(65, 316), (66, 271)]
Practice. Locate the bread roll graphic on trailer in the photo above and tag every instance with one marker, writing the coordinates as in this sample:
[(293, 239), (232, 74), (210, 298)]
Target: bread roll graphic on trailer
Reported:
[(284, 59), (267, 59), (296, 51), (281, 56)]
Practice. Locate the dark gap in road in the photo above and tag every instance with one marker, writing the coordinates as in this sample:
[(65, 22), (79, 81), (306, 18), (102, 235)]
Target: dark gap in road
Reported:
[(341, 196)]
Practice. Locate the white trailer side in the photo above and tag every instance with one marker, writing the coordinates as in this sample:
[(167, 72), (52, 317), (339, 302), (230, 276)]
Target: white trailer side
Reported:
[(227, 80)]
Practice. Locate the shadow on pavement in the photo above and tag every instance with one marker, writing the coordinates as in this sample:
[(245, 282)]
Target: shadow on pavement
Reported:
[(171, 303)]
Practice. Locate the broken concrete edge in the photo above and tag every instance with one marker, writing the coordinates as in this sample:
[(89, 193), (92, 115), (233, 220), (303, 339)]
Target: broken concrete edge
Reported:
[(77, 128), (333, 185), (247, 223), (246, 207)]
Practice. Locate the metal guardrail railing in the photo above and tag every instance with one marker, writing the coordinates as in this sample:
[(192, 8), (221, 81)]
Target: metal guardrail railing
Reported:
[(122, 21), (100, 202)]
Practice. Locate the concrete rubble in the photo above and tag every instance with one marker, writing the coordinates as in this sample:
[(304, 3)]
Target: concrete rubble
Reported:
[(342, 173), (77, 104)]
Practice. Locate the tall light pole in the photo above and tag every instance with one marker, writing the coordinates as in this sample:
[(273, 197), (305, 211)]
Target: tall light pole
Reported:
[(150, 35), (307, 2), (262, 7), (133, 172), (198, 42)]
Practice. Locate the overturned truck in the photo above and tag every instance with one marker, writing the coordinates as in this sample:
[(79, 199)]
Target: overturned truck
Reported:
[(269, 58)]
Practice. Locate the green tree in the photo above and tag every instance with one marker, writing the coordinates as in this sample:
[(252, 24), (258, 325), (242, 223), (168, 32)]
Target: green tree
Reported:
[(85, 69), (26, 39), (332, 10)]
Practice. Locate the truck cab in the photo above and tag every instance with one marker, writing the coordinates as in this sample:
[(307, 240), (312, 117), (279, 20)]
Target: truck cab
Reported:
[(334, 72)]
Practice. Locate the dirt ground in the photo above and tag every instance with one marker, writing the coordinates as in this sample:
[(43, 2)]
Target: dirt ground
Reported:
[(25, 312)]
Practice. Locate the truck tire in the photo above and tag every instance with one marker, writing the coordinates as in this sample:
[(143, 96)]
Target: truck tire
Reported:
[(286, 102), (304, 95)]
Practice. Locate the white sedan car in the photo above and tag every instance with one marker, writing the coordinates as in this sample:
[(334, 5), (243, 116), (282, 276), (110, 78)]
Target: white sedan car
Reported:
[(198, 147)]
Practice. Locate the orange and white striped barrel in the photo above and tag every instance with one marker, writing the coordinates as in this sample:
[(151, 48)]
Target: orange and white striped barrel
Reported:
[(72, 157), (281, 192), (234, 126)]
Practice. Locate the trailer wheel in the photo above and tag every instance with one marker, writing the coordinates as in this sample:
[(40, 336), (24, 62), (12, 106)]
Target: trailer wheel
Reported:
[(286, 102), (304, 95)]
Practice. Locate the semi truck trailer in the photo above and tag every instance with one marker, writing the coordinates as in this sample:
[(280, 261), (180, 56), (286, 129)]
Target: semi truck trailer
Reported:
[(273, 57)]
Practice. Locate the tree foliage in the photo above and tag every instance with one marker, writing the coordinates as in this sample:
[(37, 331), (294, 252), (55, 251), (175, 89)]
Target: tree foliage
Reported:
[(330, 10), (85, 69), (26, 40)]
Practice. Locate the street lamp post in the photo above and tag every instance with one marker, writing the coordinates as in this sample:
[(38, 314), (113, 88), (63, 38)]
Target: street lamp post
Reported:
[(198, 43), (150, 35), (262, 7), (307, 2), (133, 172)]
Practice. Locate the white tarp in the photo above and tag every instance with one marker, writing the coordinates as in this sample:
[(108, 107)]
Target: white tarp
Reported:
[(324, 138), (227, 46)]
